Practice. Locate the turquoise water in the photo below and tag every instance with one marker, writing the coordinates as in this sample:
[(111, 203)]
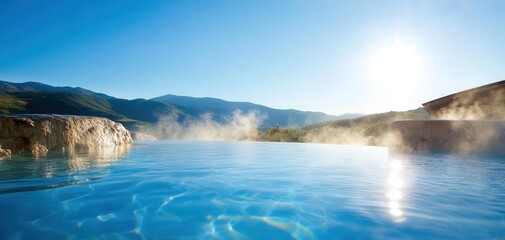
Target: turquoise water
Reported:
[(252, 190)]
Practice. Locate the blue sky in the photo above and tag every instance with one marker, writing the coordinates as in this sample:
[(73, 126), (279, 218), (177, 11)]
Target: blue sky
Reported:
[(308, 55)]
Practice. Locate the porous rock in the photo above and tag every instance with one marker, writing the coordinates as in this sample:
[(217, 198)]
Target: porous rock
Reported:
[(40, 133)]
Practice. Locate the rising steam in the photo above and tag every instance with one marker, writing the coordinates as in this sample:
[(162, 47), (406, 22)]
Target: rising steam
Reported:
[(468, 121), (372, 130), (475, 106), (338, 135), (238, 126)]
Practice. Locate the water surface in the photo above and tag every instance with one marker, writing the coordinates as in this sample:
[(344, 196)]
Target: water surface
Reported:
[(252, 190)]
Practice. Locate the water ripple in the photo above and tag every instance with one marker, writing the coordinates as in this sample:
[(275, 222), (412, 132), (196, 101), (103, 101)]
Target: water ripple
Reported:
[(225, 190)]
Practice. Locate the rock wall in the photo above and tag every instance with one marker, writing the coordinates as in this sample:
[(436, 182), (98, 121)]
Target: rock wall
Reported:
[(484, 136), (40, 133)]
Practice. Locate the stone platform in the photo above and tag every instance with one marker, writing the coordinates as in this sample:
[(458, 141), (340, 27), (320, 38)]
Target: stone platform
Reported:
[(479, 136)]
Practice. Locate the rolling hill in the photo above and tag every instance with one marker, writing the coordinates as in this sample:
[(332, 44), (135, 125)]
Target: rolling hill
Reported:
[(367, 130), (220, 109), (34, 97)]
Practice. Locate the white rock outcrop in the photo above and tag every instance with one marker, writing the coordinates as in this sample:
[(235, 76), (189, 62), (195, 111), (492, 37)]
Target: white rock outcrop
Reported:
[(40, 133)]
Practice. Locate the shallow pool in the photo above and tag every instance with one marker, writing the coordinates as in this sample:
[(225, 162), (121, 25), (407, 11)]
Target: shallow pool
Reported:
[(252, 190)]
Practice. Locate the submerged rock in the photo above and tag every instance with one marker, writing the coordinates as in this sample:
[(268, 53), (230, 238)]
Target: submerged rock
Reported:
[(40, 133)]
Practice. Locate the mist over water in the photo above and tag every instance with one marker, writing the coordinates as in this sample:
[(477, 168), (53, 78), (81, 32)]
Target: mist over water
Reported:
[(372, 130), (355, 135), (238, 126), (242, 126)]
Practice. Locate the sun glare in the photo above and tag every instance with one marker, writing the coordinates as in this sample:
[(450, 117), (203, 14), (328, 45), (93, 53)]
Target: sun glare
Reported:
[(395, 70)]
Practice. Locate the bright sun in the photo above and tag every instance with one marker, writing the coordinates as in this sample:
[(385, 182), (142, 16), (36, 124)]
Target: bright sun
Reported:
[(395, 70)]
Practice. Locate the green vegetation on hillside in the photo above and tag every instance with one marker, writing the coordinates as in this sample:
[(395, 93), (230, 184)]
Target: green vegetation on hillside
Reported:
[(10, 104), (280, 134), (33, 97), (65, 103), (38, 98), (369, 130)]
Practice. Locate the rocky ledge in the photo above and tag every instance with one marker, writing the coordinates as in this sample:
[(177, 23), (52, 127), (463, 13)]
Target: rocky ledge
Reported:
[(480, 136), (40, 133)]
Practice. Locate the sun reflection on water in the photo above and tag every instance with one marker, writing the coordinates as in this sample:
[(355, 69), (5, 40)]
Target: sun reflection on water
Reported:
[(394, 194)]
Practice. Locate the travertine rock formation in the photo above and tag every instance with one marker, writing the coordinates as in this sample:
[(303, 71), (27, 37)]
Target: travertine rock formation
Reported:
[(40, 133)]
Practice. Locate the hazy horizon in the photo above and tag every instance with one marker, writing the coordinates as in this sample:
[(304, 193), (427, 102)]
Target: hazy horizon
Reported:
[(328, 56)]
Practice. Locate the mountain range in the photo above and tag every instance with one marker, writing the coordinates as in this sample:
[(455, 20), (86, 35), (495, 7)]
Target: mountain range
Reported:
[(34, 97)]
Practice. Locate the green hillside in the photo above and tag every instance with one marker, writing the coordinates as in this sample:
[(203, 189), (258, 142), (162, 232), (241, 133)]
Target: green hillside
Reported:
[(11, 104), (33, 97), (368, 130), (65, 103)]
